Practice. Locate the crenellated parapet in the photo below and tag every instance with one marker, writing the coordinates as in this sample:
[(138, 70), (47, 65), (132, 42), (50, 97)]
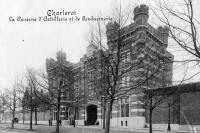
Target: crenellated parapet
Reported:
[(164, 33), (61, 56), (49, 63), (111, 30), (141, 15)]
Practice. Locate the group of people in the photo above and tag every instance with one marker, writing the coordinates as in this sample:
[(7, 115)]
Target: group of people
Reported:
[(60, 122), (50, 122)]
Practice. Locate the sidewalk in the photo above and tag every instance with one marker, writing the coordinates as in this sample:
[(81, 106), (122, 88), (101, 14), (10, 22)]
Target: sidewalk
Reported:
[(143, 130), (182, 129), (82, 129)]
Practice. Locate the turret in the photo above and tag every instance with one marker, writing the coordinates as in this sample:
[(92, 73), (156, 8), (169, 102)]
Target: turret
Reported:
[(164, 34), (111, 30), (61, 56), (49, 63), (91, 48), (141, 15)]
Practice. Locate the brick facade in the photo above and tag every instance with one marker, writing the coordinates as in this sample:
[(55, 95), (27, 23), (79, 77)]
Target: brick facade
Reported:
[(184, 109)]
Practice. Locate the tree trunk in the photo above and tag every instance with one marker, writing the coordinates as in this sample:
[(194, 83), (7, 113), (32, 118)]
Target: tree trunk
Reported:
[(57, 122), (23, 116), (31, 116), (109, 111), (35, 116), (104, 113), (14, 107), (58, 114), (150, 121), (169, 117), (75, 113), (13, 118)]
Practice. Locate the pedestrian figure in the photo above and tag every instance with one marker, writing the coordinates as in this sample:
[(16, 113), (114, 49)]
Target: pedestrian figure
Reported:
[(85, 122), (60, 122), (49, 122), (73, 122)]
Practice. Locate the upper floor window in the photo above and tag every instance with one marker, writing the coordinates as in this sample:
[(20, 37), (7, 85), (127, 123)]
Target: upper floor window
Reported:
[(125, 81), (91, 90), (125, 57), (76, 89)]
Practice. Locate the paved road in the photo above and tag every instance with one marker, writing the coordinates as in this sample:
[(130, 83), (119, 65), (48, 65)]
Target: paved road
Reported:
[(8, 130), (20, 128)]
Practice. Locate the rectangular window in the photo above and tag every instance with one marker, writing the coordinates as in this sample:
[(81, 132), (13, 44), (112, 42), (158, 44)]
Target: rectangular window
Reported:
[(91, 90), (124, 107), (125, 81), (125, 57), (128, 57)]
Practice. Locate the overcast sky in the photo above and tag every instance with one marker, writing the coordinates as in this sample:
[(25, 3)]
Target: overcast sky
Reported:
[(28, 44)]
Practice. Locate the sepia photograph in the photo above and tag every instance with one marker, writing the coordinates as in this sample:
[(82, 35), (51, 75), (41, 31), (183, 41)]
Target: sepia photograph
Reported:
[(99, 66)]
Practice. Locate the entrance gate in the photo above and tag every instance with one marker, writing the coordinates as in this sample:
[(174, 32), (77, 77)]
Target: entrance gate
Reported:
[(91, 114)]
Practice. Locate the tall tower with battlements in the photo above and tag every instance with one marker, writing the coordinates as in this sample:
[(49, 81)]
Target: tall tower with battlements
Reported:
[(147, 45)]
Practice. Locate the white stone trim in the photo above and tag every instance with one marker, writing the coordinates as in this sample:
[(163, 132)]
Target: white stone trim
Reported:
[(133, 95), (137, 110), (137, 102), (114, 111)]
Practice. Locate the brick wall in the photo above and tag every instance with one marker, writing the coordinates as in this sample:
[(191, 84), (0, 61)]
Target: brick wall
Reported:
[(185, 107), (190, 108)]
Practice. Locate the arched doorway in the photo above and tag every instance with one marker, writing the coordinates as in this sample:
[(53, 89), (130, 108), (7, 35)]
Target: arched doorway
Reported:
[(91, 114)]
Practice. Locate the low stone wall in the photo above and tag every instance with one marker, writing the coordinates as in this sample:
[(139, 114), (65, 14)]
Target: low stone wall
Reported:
[(38, 122), (128, 122), (80, 122), (165, 126)]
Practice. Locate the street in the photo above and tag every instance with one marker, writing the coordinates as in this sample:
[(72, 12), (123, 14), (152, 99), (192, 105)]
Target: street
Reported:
[(20, 128)]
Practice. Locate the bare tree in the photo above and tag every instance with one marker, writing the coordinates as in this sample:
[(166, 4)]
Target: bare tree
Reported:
[(117, 65), (12, 101), (29, 100), (183, 21), (31, 86), (2, 102), (57, 85)]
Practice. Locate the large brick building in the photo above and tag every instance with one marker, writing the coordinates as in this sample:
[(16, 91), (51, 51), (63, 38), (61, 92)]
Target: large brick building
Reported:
[(141, 43)]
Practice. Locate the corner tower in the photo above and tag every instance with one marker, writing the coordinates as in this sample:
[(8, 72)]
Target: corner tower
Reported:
[(141, 15)]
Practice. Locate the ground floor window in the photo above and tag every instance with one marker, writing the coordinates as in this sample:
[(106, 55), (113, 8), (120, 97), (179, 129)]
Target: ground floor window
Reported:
[(124, 107)]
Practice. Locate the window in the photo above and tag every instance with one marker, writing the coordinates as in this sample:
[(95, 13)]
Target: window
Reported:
[(91, 74), (125, 57), (91, 90), (126, 123), (124, 107), (125, 81), (76, 88)]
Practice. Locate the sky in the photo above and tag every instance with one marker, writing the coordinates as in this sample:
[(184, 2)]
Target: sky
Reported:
[(28, 44)]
